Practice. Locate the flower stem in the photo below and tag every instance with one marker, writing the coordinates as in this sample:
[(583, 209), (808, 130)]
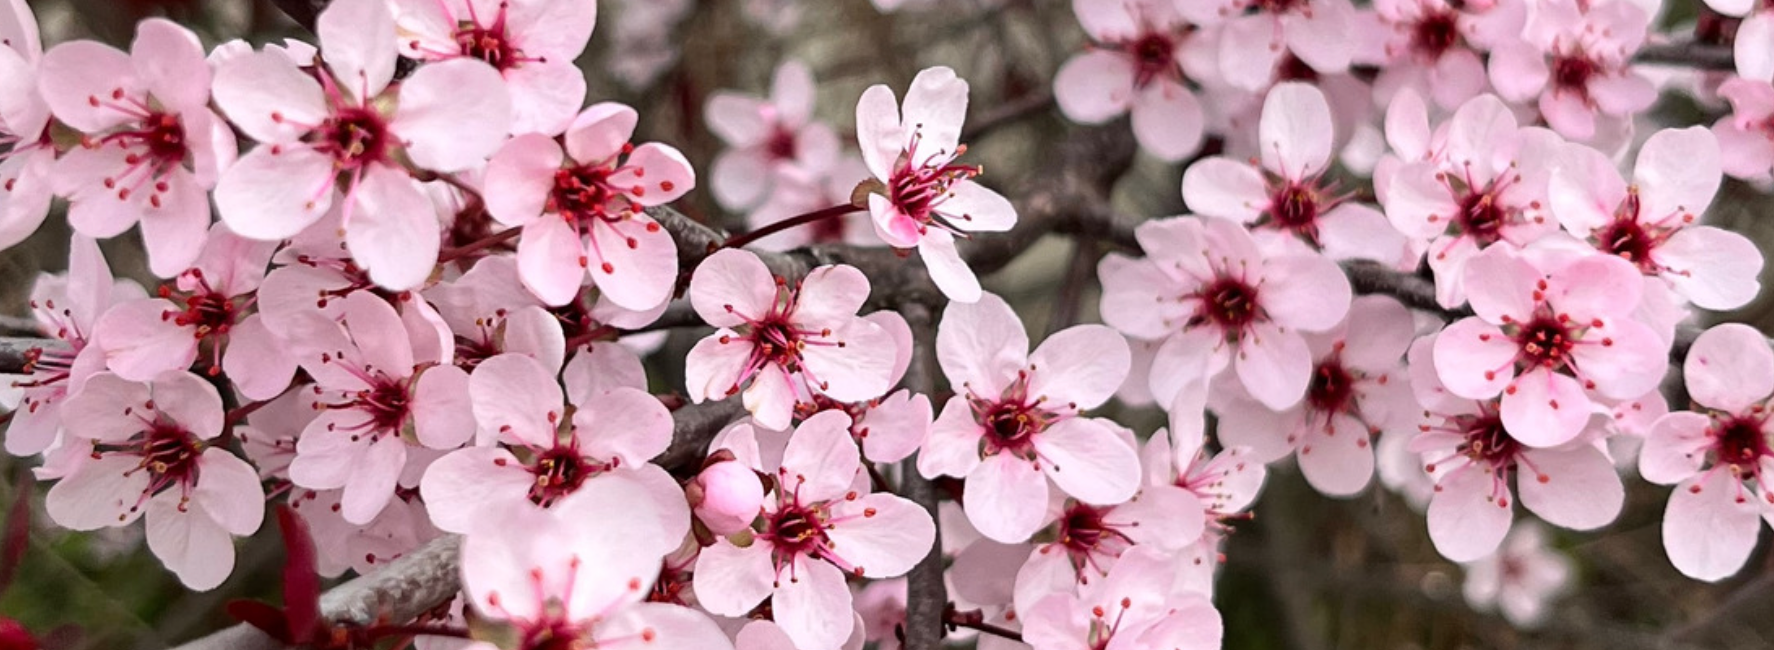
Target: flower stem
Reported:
[(451, 255), (812, 217)]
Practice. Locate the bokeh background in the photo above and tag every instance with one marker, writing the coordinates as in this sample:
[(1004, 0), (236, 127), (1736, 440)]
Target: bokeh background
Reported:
[(1306, 573)]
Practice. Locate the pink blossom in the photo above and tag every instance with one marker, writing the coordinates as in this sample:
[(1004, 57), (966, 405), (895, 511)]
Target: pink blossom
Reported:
[(532, 43), (1467, 449), (1253, 44), (1484, 183), (1143, 57), (340, 545), (728, 496), (150, 454), (1574, 56), (927, 200), (1135, 607), (25, 167), (575, 578), (1225, 484), (1753, 46), (151, 147), (1717, 456), (1546, 339), (1651, 222), (775, 338), (1015, 421), (1288, 195), (1358, 389), (581, 209), (374, 396), (1214, 299), (340, 129), (1436, 45), (1521, 579), (816, 529), (1746, 136), (768, 138)]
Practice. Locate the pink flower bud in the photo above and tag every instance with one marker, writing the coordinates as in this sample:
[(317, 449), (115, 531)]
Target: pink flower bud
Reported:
[(732, 497)]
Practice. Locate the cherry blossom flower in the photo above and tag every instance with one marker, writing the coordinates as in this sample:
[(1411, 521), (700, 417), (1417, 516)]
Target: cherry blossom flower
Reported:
[(377, 400), (1144, 55), (773, 337), (767, 138), (1015, 420), (151, 147), (1358, 389), (609, 436), (1288, 195), (1214, 299), (532, 43), (727, 496), (1224, 484), (928, 199), (66, 308), (816, 529), (1718, 456), (1254, 44), (1521, 579), (1486, 183), (581, 209), (1651, 222), (340, 545), (576, 578), (1436, 45), (1470, 454), (151, 456), (1746, 136), (25, 190), (1545, 339), (317, 135), (1135, 607), (1574, 56)]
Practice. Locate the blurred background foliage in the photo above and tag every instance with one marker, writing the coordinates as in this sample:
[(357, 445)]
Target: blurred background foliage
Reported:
[(1306, 573)]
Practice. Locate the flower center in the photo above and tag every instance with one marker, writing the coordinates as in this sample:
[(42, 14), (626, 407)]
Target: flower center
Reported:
[(1295, 208), (559, 472), (488, 44), (1154, 56), (1487, 442), (1332, 389), (1627, 239), (782, 144), (386, 403), (354, 137), (1230, 303), (1481, 217), (168, 453), (1085, 534), (1435, 34), (796, 529), (1741, 442), (1545, 341), (582, 192), (1572, 72)]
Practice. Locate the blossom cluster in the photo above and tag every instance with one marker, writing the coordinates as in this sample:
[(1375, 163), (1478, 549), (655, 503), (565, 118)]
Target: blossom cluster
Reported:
[(410, 304)]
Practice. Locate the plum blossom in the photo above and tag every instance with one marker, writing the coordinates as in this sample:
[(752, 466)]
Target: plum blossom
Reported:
[(1252, 44), (340, 127), (1437, 45), (1746, 136), (340, 545), (151, 146), (1467, 451), (532, 43), (1143, 57), (1521, 579), (1574, 57), (1718, 456), (608, 436), (377, 399), (581, 209), (151, 456), (1546, 339), (815, 529), (1135, 607), (25, 189), (1358, 389), (1651, 222), (767, 139), (1224, 484), (1215, 300), (577, 578), (1016, 421), (777, 341), (927, 200), (1288, 195)]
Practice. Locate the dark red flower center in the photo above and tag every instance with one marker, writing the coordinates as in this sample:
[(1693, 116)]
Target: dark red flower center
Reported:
[(1572, 72), (1545, 341), (1229, 303), (1481, 217), (1627, 239), (354, 137), (781, 144), (1741, 442), (488, 44), (1435, 34), (1295, 208), (559, 472), (1487, 442), (796, 529), (1086, 534), (1332, 389), (582, 191), (1154, 56)]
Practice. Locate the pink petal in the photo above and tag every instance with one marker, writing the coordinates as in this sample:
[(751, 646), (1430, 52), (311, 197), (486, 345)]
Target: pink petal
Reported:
[(935, 106), (1576, 488), (821, 459), (1502, 286), (268, 97), (663, 626), (395, 232), (519, 178), (189, 401), (1730, 368), (1295, 132), (556, 30), (1710, 526), (793, 93), (712, 367), (741, 178), (896, 427), (600, 131), (544, 96), (855, 364), (1341, 462), (1474, 359), (71, 75), (1518, 71), (1417, 204), (1543, 408), (634, 262), (625, 424), (1087, 461), (1715, 268), (229, 492), (514, 397), (1678, 172), (1305, 292), (976, 208), (601, 367), (1250, 48), (1675, 447), (169, 61), (103, 492), (174, 232), (953, 446), (730, 580), (1095, 87), (1194, 355), (372, 481), (1006, 498), (443, 414), (1586, 190), (551, 260), (463, 486), (1320, 37), (736, 119), (1754, 47), (275, 192), (881, 535), (879, 134), (981, 346), (1079, 367), (358, 39), (1464, 521), (814, 607), (453, 114), (139, 344), (1168, 121), (950, 273), (1379, 333), (192, 546), (1224, 188), (1630, 360), (1274, 365), (655, 174), (732, 286)]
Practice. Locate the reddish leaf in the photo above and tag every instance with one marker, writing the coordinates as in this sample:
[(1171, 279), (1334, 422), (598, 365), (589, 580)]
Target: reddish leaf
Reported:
[(18, 532), (14, 636), (261, 615), (301, 580)]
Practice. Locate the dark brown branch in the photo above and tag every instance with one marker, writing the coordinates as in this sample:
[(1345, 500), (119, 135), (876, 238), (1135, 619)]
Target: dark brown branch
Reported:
[(927, 598), (304, 12), (1699, 56)]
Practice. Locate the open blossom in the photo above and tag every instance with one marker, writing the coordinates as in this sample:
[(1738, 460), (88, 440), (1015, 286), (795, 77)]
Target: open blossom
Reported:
[(581, 209), (816, 528), (340, 545), (376, 401), (152, 148), (928, 200), (1015, 421), (1746, 136), (339, 128), (1574, 57), (25, 190), (1358, 389), (1254, 43), (1143, 56), (1224, 484), (778, 341), (1137, 606), (1521, 579), (532, 43), (1288, 194), (150, 455), (767, 139), (1436, 45), (1215, 301), (1546, 339), (1652, 221), (1719, 457), (519, 406), (1471, 457), (577, 578)]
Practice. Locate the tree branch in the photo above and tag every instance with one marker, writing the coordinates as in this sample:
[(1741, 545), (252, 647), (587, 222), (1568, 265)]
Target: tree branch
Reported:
[(1699, 56), (927, 599)]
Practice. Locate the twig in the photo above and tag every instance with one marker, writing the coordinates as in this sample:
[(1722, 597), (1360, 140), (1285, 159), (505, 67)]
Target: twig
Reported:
[(1688, 54), (1008, 113), (927, 598)]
